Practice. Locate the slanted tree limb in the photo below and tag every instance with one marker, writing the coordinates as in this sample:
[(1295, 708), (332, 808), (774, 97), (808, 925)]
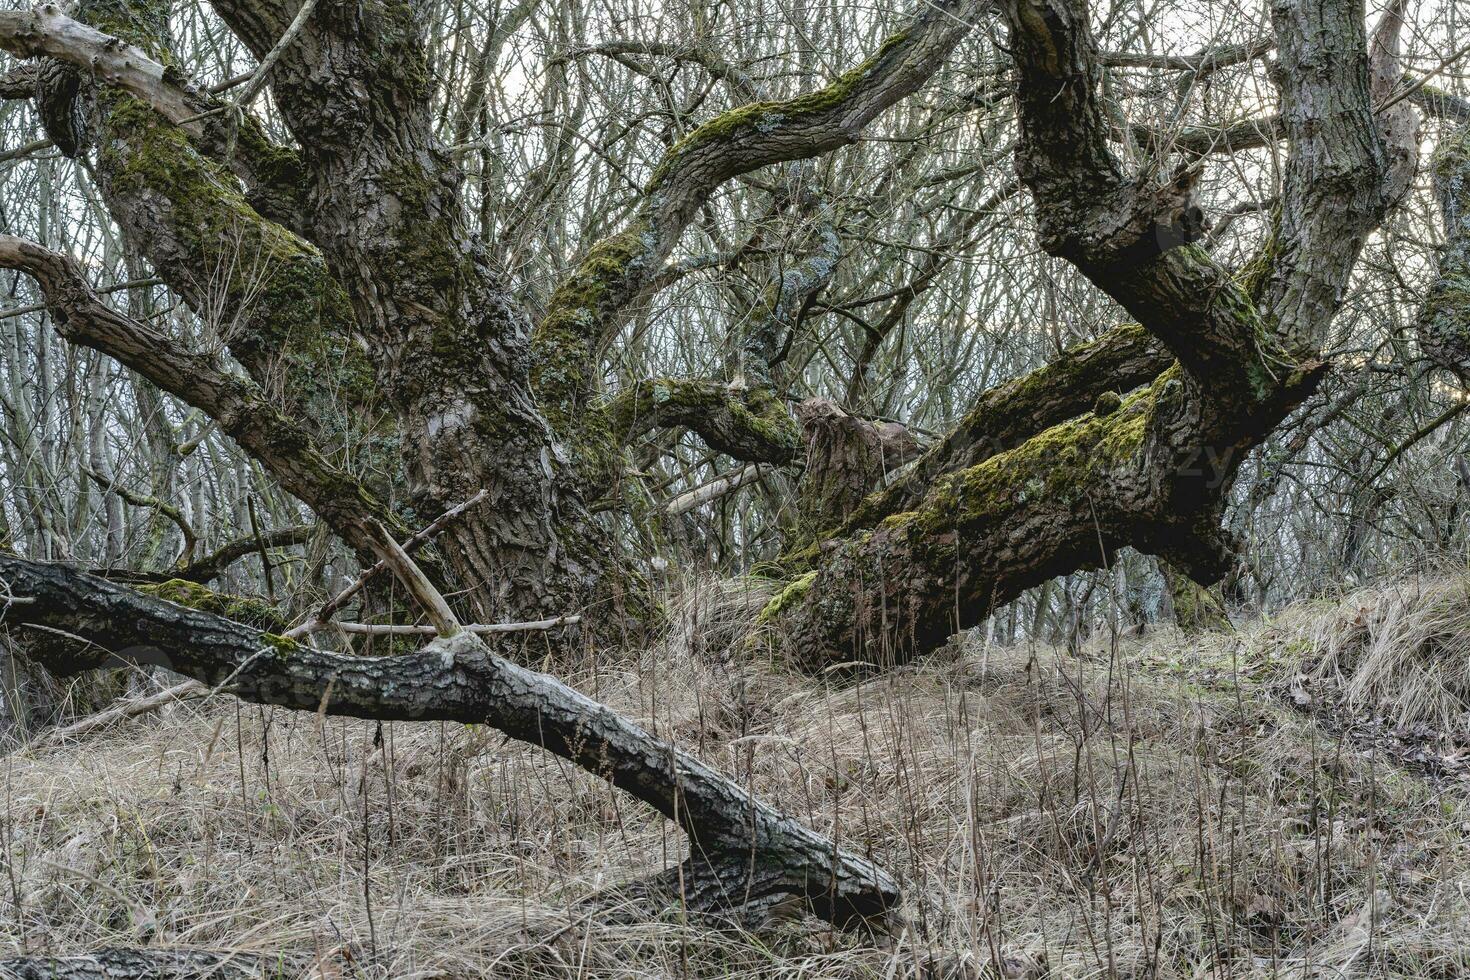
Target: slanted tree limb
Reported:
[(46, 32), (793, 286), (213, 565), (1007, 415), (739, 81), (1149, 470), (171, 511), (1436, 102), (748, 424), (1246, 134), (1207, 60), (713, 490), (242, 410), (587, 307), (461, 679), (1205, 140), (122, 710)]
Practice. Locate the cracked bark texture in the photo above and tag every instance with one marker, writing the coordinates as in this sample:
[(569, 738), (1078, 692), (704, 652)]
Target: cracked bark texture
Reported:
[(388, 264), (845, 458), (1444, 321), (448, 341)]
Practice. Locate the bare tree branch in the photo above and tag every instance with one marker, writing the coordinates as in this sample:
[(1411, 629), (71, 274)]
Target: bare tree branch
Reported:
[(241, 409), (1210, 59)]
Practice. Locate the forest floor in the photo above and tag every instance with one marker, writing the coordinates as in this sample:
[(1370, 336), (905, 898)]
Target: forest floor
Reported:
[(1285, 801)]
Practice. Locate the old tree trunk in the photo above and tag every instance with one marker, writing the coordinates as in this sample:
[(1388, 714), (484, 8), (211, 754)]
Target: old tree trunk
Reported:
[(366, 297)]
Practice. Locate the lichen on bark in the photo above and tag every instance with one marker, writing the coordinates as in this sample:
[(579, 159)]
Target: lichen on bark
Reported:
[(1061, 500)]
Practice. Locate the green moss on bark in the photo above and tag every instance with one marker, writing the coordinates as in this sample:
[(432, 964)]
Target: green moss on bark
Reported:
[(242, 609), (283, 646), (1057, 465), (794, 592), (564, 364), (290, 316), (749, 424), (762, 116)]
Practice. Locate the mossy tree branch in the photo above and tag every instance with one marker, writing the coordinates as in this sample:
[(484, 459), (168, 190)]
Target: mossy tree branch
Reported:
[(1150, 470), (746, 419), (1007, 415), (748, 424), (271, 172), (170, 166), (587, 307), (397, 272)]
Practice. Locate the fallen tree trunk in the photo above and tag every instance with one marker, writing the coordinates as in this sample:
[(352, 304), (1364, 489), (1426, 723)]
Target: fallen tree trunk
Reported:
[(745, 854)]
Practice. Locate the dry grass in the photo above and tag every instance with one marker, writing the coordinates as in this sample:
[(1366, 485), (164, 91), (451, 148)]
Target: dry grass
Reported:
[(1143, 811), (1402, 647)]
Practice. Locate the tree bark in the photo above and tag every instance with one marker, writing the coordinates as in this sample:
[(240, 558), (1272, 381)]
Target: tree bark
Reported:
[(585, 310), (846, 457), (1444, 320)]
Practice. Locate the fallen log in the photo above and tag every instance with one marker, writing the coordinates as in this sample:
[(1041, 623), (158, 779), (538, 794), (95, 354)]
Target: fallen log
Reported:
[(745, 855)]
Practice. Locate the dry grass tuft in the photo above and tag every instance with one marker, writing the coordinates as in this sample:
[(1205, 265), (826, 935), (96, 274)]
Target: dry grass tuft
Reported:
[(1133, 811), (1400, 649)]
